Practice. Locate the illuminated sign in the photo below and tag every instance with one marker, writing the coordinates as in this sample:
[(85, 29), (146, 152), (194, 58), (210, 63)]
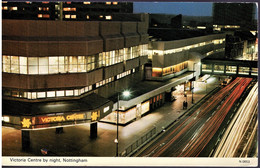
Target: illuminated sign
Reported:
[(26, 123), (106, 109), (61, 118), (95, 115)]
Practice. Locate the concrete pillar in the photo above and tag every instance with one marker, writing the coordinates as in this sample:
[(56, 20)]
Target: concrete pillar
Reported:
[(59, 130), (93, 130), (26, 140)]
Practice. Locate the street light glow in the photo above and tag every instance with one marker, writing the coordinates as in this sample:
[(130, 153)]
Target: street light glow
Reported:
[(126, 93)]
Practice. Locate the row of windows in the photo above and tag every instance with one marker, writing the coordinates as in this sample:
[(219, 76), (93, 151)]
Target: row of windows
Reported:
[(48, 94), (229, 69), (61, 93), (176, 50), (159, 72), (10, 8), (68, 64)]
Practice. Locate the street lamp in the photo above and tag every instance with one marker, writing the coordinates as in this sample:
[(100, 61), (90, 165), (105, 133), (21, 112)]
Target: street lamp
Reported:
[(125, 94)]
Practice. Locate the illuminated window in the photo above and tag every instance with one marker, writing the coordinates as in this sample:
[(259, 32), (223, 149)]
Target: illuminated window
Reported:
[(28, 2), (87, 16), (40, 8), (53, 65), (33, 65), (51, 94), (45, 2), (67, 16), (73, 16), (115, 3), (101, 16), (34, 95), (69, 92), (68, 2), (43, 65), (39, 15), (61, 65), (108, 3), (14, 64), (76, 92), (13, 8), (4, 7), (69, 9), (87, 3), (108, 17), (41, 94), (60, 93)]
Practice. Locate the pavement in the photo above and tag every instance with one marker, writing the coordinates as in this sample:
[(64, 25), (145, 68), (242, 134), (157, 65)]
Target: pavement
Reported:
[(75, 140)]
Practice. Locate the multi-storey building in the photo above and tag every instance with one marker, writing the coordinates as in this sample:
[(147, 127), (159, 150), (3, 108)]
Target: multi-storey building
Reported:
[(66, 10), (233, 16), (59, 73)]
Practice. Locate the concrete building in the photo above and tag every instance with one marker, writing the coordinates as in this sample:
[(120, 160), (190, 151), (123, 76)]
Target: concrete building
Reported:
[(58, 73)]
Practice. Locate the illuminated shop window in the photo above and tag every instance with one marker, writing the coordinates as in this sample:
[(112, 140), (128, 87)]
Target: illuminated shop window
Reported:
[(115, 3), (108, 3), (39, 15), (87, 3), (101, 16)]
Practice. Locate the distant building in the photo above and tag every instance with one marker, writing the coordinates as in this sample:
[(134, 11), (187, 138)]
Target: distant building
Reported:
[(65, 10), (165, 21), (233, 16), (176, 52)]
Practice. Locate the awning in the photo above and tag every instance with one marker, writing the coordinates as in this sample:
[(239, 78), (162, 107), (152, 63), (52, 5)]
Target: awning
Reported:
[(32, 115)]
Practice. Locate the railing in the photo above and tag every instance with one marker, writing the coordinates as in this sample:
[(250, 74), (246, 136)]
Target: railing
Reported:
[(139, 143)]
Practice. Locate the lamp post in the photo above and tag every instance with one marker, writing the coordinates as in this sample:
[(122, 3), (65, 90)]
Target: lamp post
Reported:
[(125, 94)]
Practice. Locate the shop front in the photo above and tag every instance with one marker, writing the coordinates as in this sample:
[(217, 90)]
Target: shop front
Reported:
[(28, 116), (128, 115)]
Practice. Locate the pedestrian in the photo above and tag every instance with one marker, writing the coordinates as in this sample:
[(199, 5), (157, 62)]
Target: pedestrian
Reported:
[(186, 105), (183, 105)]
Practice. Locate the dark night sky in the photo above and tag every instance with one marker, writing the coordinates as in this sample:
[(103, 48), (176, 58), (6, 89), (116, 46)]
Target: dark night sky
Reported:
[(184, 8)]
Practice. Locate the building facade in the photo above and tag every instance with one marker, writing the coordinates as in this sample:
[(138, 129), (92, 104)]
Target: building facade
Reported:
[(172, 58), (65, 10), (68, 69)]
